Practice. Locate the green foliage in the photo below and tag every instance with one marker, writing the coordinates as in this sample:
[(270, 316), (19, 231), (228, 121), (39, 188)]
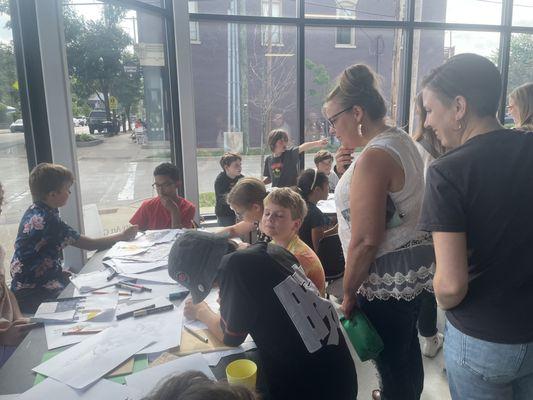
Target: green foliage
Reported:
[(520, 60), (320, 83), (207, 199), (9, 96), (84, 137)]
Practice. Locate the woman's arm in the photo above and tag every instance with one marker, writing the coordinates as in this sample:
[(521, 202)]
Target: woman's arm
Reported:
[(451, 276), (239, 229), (316, 236), (376, 174)]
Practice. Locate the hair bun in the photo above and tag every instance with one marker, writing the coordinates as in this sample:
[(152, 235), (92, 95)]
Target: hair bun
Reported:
[(358, 77)]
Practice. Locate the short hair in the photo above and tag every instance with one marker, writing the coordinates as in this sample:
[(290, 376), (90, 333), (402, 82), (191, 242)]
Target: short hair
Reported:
[(48, 177), (167, 169), (522, 98), (309, 180), (358, 85), (323, 155), (469, 75), (423, 134), (228, 158), (195, 385), (275, 135), (288, 198), (246, 192)]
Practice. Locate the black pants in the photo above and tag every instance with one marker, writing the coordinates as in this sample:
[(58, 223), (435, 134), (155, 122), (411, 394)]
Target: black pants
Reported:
[(29, 300), (400, 363), (427, 319)]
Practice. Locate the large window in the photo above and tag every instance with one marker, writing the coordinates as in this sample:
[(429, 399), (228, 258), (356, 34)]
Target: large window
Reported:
[(271, 35), (345, 36)]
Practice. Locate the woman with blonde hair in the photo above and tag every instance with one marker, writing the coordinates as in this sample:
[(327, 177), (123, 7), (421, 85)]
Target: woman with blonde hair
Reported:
[(521, 106)]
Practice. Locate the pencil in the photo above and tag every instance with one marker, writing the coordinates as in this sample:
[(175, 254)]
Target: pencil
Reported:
[(196, 334), (81, 332)]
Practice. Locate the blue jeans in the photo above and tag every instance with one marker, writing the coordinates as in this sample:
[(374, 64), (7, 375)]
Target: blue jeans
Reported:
[(485, 370)]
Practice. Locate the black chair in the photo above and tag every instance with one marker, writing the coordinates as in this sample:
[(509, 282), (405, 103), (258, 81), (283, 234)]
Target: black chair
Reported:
[(332, 259)]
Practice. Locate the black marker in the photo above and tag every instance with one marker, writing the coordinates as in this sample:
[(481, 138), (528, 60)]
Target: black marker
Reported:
[(157, 310)]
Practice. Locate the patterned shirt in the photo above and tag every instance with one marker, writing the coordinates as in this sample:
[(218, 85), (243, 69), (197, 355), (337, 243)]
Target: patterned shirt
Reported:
[(38, 256)]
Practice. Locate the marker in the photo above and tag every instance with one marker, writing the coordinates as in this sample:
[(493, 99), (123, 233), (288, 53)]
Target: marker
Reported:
[(112, 274), (178, 295), (196, 334), (130, 313), (123, 285), (143, 288), (63, 299), (119, 293), (82, 332), (142, 313)]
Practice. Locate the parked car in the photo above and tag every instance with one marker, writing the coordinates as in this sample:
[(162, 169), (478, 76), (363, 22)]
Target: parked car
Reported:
[(98, 122), (17, 126)]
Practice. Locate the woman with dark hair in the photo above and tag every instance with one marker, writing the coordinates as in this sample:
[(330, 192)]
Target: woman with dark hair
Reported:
[(388, 262), (313, 186), (477, 205)]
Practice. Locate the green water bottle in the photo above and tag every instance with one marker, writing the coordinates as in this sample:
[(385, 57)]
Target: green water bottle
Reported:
[(364, 337)]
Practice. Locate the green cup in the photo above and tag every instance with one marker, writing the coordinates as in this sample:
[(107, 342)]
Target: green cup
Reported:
[(363, 336)]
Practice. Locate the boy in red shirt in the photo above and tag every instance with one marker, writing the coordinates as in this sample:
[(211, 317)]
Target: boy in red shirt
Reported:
[(167, 210)]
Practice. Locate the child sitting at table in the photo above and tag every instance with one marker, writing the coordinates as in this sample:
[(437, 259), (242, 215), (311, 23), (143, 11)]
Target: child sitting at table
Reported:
[(167, 209), (13, 326), (283, 215), (265, 293), (313, 186), (324, 162), (225, 181), (281, 167), (36, 267)]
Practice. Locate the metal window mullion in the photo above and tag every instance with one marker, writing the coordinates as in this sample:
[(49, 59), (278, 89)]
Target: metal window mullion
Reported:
[(505, 51), (405, 90), (300, 76)]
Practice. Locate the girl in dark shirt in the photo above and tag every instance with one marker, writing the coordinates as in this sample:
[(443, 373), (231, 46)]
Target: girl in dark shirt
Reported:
[(231, 173)]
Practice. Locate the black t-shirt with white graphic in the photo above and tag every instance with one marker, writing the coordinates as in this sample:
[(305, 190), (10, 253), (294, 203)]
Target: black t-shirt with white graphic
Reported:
[(283, 170), (264, 293), (484, 188)]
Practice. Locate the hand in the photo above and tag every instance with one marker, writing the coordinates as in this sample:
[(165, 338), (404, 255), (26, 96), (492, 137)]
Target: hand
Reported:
[(17, 332), (130, 233), (349, 305), (343, 158), (192, 311), (243, 245), (66, 275), (169, 204), (323, 142)]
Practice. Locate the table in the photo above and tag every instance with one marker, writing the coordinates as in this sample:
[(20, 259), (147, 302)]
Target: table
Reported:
[(16, 375), (328, 206)]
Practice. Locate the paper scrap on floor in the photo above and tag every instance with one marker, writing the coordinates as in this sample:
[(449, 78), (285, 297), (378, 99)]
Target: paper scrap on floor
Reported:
[(146, 380), (94, 357), (101, 390), (164, 328)]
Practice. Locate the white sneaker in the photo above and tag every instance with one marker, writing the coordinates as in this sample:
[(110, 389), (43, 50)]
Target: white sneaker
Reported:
[(431, 345)]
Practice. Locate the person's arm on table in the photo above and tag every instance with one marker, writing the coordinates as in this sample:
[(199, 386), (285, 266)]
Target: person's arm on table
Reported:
[(87, 243), (16, 333), (203, 313), (368, 192), (451, 274), (312, 145)]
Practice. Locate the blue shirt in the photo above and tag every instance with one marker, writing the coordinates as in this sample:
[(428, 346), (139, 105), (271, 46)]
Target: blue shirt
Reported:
[(42, 236)]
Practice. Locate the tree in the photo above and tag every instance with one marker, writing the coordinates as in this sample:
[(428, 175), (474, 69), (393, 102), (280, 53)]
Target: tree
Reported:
[(127, 87), (520, 60), (9, 95)]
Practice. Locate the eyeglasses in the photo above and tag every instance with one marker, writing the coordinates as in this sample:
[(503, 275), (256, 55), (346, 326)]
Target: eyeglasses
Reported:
[(162, 185), (333, 118)]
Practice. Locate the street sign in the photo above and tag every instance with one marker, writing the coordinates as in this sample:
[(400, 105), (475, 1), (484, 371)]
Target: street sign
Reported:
[(150, 54), (113, 103), (130, 69)]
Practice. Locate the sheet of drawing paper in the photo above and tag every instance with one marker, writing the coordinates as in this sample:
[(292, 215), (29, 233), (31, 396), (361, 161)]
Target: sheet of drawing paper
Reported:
[(94, 357)]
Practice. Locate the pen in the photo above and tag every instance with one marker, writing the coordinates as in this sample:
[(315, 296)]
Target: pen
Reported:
[(81, 332), (112, 274), (119, 293), (123, 285), (143, 288), (196, 334), (142, 313), (130, 313), (64, 299), (178, 295)]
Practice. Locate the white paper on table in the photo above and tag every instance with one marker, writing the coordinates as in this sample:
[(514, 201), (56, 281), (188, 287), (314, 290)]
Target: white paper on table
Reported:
[(10, 396), (158, 236), (54, 317), (158, 290), (126, 249), (327, 206), (164, 328), (134, 267), (105, 304), (213, 358), (88, 361), (101, 390), (93, 281), (146, 380), (212, 302), (159, 276), (158, 252)]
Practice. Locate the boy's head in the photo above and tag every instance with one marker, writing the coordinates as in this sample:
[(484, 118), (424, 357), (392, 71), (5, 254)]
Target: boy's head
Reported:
[(284, 211), (246, 199), (231, 164), (166, 179), (278, 140), (51, 184), (194, 258), (324, 161)]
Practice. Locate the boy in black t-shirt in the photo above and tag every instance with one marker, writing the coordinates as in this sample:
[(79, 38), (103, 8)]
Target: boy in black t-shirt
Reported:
[(281, 167), (231, 166), (264, 293)]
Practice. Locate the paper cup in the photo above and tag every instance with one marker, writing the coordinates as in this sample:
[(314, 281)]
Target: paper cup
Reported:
[(242, 372)]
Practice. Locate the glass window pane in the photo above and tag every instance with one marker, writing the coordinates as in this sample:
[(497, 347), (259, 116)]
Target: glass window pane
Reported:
[(523, 13), (388, 10), (279, 8), (459, 11), (117, 68), (380, 49), (13, 160), (243, 88)]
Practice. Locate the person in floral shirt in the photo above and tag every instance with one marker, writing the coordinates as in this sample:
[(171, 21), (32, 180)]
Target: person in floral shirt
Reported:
[(36, 268)]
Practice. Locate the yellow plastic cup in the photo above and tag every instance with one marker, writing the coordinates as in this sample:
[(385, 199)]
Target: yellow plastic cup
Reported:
[(242, 372)]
